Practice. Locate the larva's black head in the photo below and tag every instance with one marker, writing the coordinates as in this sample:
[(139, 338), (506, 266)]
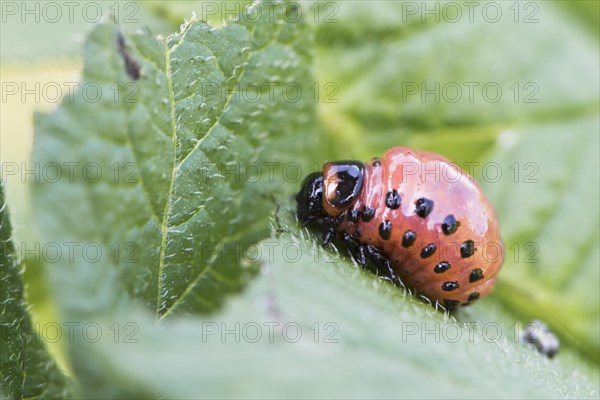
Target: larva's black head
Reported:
[(330, 193), (310, 199)]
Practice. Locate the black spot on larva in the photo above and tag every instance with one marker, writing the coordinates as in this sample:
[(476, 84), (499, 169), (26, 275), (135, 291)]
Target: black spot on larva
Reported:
[(385, 230), (450, 225), (450, 304), (392, 199), (132, 67), (353, 215), (424, 207), (376, 163), (467, 249), (476, 275), (473, 296), (368, 213), (428, 250), (450, 286), (441, 267), (409, 238)]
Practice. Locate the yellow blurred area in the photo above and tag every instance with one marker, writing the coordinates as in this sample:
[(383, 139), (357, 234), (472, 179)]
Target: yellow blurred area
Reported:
[(25, 90)]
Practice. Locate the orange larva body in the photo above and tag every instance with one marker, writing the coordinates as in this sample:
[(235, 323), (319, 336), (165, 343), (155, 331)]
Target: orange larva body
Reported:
[(429, 218)]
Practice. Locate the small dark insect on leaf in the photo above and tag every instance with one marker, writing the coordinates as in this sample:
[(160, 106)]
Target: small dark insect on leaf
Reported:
[(131, 65)]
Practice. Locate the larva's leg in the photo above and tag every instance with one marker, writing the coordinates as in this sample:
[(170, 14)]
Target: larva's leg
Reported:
[(328, 230), (357, 250), (383, 264), (329, 226)]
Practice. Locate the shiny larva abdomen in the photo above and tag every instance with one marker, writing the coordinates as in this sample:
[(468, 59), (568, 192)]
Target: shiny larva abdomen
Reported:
[(433, 222)]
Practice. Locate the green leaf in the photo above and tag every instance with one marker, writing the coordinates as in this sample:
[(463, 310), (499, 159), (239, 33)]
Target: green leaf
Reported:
[(547, 203), (37, 32), (174, 195), (152, 223), (394, 51), (213, 13), (406, 77), (27, 370), (337, 331)]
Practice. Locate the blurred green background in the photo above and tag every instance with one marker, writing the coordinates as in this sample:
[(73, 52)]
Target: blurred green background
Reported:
[(546, 145)]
